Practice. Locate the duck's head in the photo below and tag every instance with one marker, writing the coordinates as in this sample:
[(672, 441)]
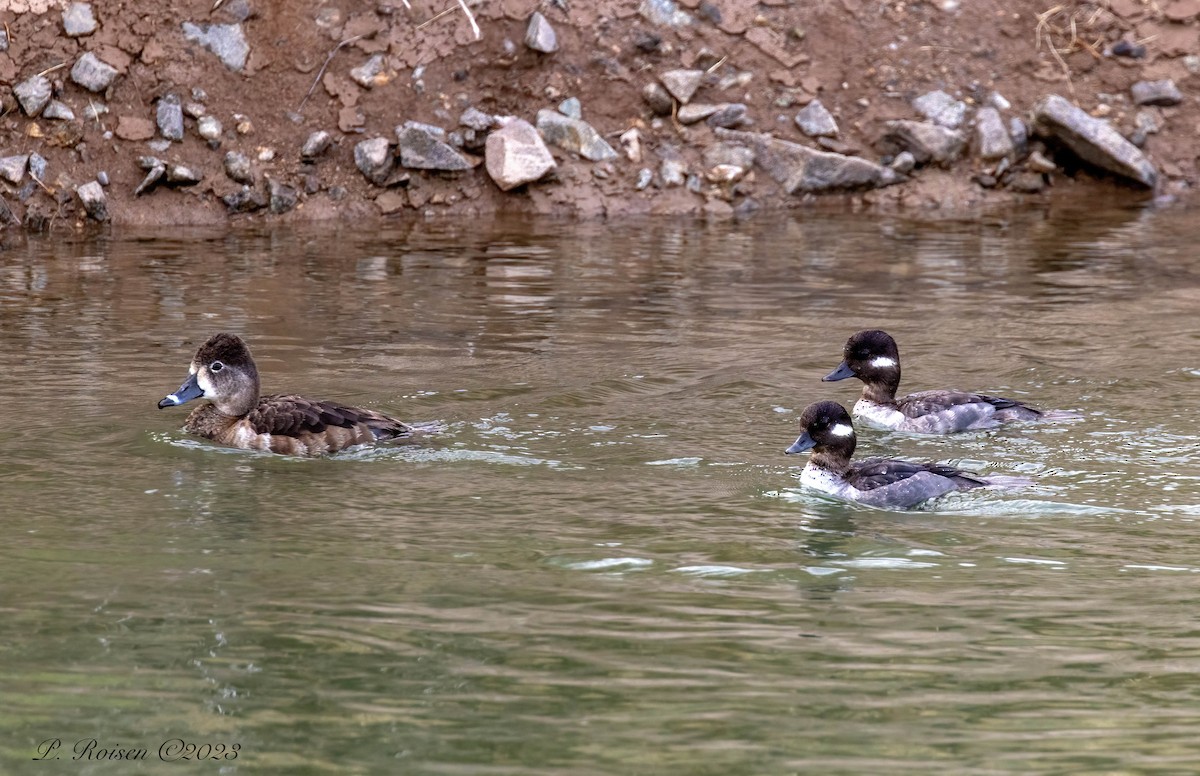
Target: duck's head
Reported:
[(871, 356), (223, 372), (825, 427)]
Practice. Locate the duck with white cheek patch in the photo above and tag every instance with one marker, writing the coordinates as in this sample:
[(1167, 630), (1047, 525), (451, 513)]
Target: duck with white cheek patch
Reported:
[(827, 430), (872, 356)]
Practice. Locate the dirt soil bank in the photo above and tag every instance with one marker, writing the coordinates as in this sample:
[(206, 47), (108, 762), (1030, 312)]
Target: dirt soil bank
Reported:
[(864, 60)]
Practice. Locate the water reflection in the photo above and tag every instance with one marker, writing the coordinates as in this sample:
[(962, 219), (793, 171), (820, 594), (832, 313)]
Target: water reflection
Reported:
[(605, 564)]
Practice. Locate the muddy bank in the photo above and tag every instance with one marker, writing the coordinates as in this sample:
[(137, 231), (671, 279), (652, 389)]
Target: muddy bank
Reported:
[(134, 113)]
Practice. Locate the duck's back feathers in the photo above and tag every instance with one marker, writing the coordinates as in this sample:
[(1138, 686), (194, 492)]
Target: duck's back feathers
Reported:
[(945, 411), (875, 473), (292, 415), (294, 425)]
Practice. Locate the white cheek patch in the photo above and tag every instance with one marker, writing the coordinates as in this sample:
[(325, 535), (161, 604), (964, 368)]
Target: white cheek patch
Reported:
[(842, 430), (882, 362), (204, 383)]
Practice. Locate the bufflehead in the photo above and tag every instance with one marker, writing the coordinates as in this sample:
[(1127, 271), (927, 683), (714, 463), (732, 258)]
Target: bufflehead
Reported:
[(872, 356), (827, 430)]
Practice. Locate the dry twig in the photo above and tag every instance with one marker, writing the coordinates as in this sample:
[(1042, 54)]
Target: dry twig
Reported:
[(328, 59), (59, 66)]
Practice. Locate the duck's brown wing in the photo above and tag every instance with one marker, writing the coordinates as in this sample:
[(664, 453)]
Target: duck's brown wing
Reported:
[(297, 416)]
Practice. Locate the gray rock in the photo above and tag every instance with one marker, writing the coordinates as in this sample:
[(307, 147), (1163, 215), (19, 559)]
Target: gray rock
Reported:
[(247, 200), (195, 110), (727, 153), (992, 140), (282, 197), (150, 162), (1019, 132), (92, 73), (645, 178), (539, 35), (95, 110), (102, 178), (160, 144), (658, 98), (682, 84), (815, 121), (1026, 182), (1093, 140), (664, 12), (904, 163), (424, 147), (3, 39), (691, 114), (58, 110), (153, 176), (672, 172), (941, 108), (209, 128), (238, 168), (516, 155), (181, 175), (1147, 122), (78, 20), (33, 93), (374, 159), (473, 118), (316, 144), (38, 166), (571, 108), (730, 115), (573, 135), (8, 218), (928, 143), (169, 117), (91, 194), (367, 74), (838, 147), (1162, 92), (694, 183), (227, 41), (12, 168), (803, 169)]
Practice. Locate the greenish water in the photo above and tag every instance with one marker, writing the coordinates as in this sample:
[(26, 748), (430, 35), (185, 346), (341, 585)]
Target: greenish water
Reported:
[(605, 565)]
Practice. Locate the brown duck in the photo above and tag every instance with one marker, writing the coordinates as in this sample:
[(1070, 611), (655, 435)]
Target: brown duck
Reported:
[(223, 372)]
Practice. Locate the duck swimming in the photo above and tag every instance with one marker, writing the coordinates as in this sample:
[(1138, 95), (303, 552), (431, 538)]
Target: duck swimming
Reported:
[(827, 430), (872, 356), (223, 372)]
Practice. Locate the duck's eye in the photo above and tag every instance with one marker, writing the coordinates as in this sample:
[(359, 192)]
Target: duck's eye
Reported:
[(216, 366)]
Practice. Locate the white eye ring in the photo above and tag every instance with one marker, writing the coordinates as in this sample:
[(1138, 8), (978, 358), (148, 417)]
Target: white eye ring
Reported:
[(216, 366)]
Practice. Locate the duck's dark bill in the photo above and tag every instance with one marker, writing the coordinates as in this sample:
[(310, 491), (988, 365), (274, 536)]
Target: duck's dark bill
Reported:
[(841, 373), (802, 443), (188, 391)]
